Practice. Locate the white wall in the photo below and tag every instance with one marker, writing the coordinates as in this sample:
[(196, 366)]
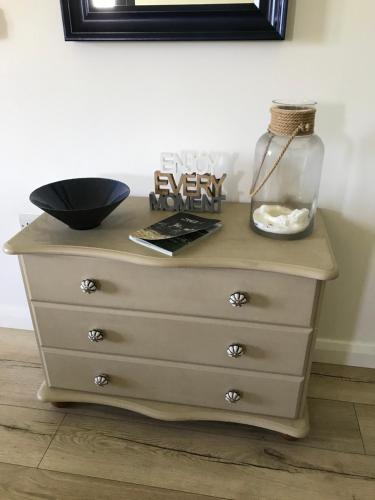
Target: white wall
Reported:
[(77, 109)]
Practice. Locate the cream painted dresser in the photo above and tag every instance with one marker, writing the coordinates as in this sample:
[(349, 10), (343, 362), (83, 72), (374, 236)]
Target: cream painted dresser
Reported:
[(223, 331)]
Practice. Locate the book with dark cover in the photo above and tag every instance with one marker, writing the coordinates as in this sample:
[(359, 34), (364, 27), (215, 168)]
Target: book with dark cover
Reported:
[(175, 232)]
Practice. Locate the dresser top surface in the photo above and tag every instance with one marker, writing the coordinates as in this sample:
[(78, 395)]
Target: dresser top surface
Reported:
[(235, 245)]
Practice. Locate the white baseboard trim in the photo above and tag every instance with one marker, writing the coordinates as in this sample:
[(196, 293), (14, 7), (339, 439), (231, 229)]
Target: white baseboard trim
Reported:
[(17, 317), (341, 352)]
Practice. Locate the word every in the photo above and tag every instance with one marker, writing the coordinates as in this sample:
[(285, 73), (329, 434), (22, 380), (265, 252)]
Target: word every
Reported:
[(200, 192)]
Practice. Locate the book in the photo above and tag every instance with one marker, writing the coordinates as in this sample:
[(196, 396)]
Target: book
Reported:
[(170, 235)]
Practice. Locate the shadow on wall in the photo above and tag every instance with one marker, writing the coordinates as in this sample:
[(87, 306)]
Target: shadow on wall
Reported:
[(307, 21), (353, 245), (342, 298), (330, 126), (3, 26), (235, 173), (233, 183)]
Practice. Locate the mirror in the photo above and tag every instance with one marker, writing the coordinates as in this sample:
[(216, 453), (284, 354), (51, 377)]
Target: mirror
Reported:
[(174, 19)]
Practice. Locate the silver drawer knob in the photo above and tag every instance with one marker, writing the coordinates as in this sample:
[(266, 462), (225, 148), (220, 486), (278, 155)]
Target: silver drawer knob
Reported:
[(238, 299), (101, 379), (95, 335), (235, 350), (232, 396), (88, 286)]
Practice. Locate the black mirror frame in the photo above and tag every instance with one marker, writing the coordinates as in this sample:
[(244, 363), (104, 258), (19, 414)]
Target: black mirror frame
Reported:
[(263, 20)]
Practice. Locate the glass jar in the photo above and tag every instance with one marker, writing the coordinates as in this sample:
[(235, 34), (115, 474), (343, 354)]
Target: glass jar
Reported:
[(288, 161)]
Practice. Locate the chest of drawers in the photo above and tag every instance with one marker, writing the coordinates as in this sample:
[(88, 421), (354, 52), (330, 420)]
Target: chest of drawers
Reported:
[(118, 324)]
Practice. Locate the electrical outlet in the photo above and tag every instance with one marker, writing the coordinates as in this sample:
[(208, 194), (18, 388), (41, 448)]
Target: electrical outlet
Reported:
[(26, 219)]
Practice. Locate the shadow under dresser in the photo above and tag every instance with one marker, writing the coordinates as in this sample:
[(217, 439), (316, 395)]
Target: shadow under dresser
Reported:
[(223, 331)]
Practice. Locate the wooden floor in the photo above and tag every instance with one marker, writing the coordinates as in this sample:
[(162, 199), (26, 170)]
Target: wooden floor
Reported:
[(98, 453)]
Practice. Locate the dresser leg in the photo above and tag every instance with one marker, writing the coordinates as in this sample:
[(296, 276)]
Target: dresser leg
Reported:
[(59, 404)]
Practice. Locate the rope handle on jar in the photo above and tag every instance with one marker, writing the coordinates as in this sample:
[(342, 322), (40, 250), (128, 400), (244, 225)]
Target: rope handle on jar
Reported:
[(255, 188)]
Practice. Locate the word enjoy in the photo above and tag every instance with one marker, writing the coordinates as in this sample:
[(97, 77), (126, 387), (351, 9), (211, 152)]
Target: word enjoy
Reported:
[(194, 192), (201, 162)]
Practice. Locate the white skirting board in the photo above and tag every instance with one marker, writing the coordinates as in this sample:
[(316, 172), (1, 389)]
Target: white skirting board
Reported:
[(338, 352), (341, 352)]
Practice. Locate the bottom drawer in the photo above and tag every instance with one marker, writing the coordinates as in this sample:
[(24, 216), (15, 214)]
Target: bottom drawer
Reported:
[(197, 385)]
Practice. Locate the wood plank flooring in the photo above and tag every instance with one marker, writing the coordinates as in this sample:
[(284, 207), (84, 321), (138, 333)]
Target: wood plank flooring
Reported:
[(93, 452), (34, 484), (343, 383)]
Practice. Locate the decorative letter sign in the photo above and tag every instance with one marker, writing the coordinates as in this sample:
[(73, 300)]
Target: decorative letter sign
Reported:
[(193, 192)]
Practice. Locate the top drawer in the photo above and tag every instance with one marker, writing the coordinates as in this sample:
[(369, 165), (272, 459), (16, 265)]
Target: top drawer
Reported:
[(273, 298)]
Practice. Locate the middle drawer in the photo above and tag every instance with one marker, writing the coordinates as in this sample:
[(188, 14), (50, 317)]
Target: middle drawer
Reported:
[(206, 341)]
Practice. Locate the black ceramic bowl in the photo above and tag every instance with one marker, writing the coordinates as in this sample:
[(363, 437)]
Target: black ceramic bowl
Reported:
[(81, 203)]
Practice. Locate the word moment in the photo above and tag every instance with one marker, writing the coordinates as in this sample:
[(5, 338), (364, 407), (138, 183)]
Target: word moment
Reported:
[(193, 192)]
